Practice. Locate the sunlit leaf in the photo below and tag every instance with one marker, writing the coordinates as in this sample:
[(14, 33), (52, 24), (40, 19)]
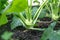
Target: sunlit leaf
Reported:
[(3, 19), (7, 35), (18, 6)]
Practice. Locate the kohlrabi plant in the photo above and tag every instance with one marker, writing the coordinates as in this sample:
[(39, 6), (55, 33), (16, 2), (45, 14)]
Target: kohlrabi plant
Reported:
[(17, 6), (53, 7)]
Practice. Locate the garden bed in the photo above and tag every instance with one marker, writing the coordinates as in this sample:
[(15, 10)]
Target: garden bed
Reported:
[(20, 33), (20, 20)]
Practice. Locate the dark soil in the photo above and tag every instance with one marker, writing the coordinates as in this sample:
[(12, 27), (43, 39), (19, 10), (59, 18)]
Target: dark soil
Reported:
[(45, 24), (20, 33), (26, 34), (45, 19)]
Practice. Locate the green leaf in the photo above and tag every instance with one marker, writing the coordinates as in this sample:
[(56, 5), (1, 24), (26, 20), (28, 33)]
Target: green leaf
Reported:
[(7, 35), (48, 31), (3, 19), (18, 6), (43, 13), (34, 9), (2, 4), (55, 35), (15, 22)]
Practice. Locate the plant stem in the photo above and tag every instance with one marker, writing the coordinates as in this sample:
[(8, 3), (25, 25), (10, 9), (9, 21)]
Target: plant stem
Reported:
[(54, 11), (4, 11), (28, 11), (40, 29), (22, 19), (48, 8), (38, 12)]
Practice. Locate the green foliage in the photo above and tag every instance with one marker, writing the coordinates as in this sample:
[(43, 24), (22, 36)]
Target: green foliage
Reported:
[(42, 14), (3, 20), (2, 4), (7, 35), (18, 6), (54, 5), (51, 35), (34, 9), (55, 35), (15, 22), (48, 31), (29, 18)]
